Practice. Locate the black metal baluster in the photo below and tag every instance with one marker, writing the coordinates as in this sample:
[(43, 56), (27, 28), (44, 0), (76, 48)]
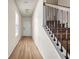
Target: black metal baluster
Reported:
[(57, 29), (49, 20), (46, 17), (61, 32), (67, 37), (54, 23)]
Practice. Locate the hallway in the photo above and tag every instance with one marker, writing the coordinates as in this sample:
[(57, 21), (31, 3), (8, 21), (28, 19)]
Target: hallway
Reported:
[(36, 29), (26, 49)]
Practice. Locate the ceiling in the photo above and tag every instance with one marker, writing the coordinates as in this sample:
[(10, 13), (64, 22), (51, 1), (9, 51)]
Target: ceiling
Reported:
[(26, 7)]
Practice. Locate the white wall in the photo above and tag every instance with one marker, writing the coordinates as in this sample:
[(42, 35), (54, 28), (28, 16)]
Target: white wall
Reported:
[(27, 26), (52, 1), (64, 2), (40, 37), (12, 39)]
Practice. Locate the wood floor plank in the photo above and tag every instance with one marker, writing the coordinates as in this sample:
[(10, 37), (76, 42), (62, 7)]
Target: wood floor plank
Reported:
[(26, 49)]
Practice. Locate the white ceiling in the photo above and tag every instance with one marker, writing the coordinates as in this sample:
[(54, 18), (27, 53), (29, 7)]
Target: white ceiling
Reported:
[(26, 7)]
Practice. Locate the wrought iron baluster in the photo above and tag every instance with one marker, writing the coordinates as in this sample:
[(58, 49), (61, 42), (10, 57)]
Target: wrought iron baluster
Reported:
[(61, 34), (54, 23), (67, 37), (49, 20), (48, 17), (44, 10), (57, 30)]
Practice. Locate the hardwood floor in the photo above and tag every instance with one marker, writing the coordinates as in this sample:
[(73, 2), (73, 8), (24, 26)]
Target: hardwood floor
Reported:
[(26, 49)]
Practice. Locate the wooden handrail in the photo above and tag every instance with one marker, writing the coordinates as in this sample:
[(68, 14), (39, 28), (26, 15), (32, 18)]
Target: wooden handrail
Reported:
[(57, 7)]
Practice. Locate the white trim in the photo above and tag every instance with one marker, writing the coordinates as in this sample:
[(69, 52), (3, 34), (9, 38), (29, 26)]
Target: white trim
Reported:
[(58, 7)]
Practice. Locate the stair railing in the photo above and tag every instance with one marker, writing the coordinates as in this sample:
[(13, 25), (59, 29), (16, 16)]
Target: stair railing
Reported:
[(52, 24)]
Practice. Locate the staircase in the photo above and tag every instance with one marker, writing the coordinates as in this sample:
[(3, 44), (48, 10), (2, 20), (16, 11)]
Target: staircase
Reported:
[(61, 31), (54, 24)]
